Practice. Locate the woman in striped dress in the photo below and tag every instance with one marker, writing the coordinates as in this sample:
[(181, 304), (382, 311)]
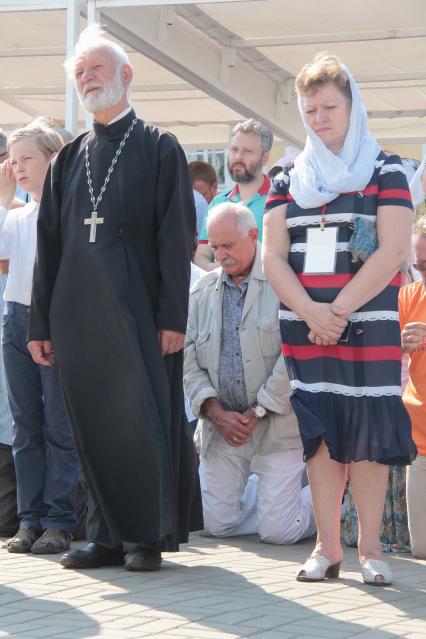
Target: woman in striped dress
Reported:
[(339, 314)]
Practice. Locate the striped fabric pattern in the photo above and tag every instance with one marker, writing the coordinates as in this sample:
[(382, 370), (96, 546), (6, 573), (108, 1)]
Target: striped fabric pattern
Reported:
[(369, 363)]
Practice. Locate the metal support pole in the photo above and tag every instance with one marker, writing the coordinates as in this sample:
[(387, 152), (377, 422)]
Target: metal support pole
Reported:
[(92, 16), (71, 100), (91, 12)]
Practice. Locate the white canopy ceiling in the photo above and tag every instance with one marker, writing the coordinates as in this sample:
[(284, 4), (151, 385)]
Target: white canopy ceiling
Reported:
[(199, 68)]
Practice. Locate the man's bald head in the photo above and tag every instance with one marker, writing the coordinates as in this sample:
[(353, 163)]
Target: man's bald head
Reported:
[(232, 232), (240, 215)]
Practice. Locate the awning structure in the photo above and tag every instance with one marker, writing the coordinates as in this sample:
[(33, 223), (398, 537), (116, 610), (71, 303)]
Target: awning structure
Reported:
[(201, 67)]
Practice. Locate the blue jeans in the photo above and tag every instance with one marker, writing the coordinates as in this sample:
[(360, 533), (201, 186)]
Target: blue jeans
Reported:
[(46, 462)]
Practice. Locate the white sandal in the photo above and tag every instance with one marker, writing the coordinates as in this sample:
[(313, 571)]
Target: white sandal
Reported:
[(318, 568), (376, 572)]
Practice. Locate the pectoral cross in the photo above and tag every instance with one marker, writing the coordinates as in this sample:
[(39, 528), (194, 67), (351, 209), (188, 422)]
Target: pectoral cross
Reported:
[(93, 220)]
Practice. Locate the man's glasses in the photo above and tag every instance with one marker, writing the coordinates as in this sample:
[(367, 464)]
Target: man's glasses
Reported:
[(420, 266)]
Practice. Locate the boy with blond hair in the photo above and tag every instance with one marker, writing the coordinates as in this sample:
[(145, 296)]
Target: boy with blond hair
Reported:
[(46, 462)]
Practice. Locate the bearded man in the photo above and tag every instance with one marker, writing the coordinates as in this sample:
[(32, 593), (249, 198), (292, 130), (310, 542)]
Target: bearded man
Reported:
[(111, 280), (248, 153)]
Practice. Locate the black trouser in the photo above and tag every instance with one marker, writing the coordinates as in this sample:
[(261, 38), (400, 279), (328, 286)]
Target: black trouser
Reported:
[(8, 515), (97, 529), (80, 507)]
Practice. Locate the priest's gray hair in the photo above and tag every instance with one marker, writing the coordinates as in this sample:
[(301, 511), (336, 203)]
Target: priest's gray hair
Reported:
[(94, 37), (243, 217)]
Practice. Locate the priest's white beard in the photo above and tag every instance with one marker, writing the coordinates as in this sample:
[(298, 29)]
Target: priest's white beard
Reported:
[(108, 98)]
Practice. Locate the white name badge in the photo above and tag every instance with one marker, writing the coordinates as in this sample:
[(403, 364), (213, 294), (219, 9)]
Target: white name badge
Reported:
[(320, 256)]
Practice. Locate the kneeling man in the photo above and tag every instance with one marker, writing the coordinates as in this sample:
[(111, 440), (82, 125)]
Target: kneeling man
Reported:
[(251, 463)]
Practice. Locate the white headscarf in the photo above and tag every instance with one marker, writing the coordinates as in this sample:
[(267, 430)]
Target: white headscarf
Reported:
[(319, 175), (416, 187)]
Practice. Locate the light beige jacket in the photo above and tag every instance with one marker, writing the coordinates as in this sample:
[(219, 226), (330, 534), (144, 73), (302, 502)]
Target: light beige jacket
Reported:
[(264, 369)]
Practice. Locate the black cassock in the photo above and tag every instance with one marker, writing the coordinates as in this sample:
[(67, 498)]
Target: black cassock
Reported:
[(102, 304)]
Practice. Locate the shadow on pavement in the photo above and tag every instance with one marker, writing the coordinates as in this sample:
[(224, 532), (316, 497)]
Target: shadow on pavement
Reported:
[(219, 599), (31, 617), (406, 594)]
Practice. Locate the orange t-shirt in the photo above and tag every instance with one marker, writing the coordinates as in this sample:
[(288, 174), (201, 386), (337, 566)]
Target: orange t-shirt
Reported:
[(412, 308)]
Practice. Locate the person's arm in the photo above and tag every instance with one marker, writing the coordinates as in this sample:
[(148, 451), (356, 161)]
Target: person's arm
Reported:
[(196, 380), (234, 427), (48, 257), (176, 231), (203, 257), (413, 337), (275, 393), (321, 318), (7, 185), (4, 234), (394, 226), (413, 334)]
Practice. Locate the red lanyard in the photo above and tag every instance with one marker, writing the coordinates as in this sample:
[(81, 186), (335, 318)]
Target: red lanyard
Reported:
[(322, 223)]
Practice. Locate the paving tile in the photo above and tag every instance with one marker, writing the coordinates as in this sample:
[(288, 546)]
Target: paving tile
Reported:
[(326, 631), (274, 634), (377, 634), (190, 633), (211, 590)]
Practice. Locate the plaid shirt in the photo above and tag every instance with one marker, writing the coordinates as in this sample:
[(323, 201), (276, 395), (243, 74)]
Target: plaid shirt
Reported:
[(232, 387)]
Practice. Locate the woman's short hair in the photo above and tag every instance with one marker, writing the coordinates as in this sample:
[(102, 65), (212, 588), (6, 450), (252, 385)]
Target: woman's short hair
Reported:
[(324, 68), (244, 218), (47, 140)]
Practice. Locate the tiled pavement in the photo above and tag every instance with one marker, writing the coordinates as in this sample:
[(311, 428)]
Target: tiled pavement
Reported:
[(210, 590)]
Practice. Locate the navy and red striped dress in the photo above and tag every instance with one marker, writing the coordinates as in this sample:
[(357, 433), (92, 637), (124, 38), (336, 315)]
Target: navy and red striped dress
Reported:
[(348, 395)]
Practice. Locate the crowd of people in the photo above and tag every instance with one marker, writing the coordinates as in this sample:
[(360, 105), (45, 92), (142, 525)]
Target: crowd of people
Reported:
[(139, 417)]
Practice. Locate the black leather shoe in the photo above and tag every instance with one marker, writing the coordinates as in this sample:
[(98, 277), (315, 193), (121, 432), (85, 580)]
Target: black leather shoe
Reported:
[(92, 556), (141, 559)]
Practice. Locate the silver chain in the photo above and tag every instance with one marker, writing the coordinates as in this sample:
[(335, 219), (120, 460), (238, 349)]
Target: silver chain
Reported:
[(96, 202)]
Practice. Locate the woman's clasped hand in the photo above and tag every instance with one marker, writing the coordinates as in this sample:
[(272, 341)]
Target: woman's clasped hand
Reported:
[(327, 323)]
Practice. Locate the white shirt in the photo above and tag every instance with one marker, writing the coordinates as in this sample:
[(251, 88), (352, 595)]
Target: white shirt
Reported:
[(18, 240), (120, 115)]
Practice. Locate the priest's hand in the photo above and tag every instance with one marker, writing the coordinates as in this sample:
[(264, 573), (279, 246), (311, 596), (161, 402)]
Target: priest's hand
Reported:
[(42, 352), (171, 341), (234, 427), (7, 185)]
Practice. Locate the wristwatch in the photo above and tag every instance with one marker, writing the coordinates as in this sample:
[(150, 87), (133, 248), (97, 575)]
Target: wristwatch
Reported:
[(260, 411)]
